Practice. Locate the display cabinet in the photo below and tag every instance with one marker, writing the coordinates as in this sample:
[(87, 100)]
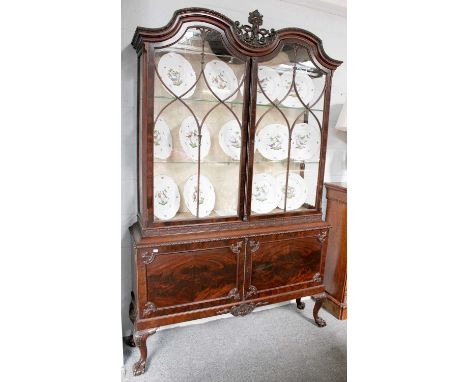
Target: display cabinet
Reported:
[(232, 135)]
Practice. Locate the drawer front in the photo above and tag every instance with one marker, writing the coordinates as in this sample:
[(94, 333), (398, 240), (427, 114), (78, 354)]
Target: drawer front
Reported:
[(283, 263), (181, 278)]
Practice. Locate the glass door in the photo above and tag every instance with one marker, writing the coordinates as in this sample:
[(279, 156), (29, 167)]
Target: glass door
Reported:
[(198, 131), (288, 121)]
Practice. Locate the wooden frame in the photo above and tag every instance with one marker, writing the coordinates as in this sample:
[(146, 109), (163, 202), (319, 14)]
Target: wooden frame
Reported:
[(165, 252)]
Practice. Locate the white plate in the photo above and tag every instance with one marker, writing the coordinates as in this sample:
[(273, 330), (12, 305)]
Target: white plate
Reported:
[(270, 81), (177, 74), (297, 191), (272, 142), (221, 79), (305, 142), (188, 136), (305, 87), (162, 139), (207, 196), (166, 197), (265, 193), (230, 139)]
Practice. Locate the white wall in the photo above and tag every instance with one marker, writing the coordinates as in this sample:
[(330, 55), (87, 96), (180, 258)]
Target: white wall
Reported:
[(276, 14)]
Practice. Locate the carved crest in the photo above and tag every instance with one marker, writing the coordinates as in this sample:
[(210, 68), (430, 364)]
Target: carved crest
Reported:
[(242, 309), (254, 35), (149, 308)]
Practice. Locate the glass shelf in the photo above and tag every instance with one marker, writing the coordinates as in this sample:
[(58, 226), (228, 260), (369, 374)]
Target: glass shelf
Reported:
[(201, 100)]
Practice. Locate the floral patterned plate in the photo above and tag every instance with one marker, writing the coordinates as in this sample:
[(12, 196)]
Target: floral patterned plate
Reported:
[(305, 142), (206, 199), (177, 74), (166, 197), (162, 142), (272, 142), (297, 191), (265, 193), (221, 79), (188, 136), (230, 139), (304, 85), (270, 82)]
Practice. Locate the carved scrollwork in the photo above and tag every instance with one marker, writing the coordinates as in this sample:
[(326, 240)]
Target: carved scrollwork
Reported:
[(148, 257), (254, 35), (322, 236), (234, 294), (149, 308), (251, 292), (317, 278), (254, 245), (236, 248)]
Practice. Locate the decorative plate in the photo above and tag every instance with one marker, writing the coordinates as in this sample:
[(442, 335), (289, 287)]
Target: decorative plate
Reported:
[(270, 81), (230, 139), (297, 191), (188, 136), (272, 142), (305, 142), (265, 193), (305, 87), (221, 79), (162, 140), (177, 74), (166, 197), (206, 199)]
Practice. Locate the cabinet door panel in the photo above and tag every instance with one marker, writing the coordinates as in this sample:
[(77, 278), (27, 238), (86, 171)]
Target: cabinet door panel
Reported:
[(284, 264), (182, 280)]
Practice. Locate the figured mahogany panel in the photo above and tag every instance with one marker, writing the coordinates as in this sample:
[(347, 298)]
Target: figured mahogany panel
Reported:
[(192, 279), (285, 264)]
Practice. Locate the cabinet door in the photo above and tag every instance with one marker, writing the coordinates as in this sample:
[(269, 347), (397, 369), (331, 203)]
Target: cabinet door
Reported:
[(288, 124), (284, 263), (174, 279)]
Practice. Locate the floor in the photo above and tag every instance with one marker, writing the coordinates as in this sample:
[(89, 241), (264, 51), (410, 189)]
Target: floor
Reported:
[(280, 344)]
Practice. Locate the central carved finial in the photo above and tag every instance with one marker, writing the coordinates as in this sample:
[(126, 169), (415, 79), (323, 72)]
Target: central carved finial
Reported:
[(254, 35)]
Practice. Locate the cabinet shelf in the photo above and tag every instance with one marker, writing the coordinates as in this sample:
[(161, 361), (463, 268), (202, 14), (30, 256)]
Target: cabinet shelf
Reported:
[(230, 103), (234, 162)]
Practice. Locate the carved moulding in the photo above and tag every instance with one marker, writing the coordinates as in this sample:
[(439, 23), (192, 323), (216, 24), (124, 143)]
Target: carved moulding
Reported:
[(254, 245), (234, 294), (317, 278), (236, 248), (148, 257), (252, 34), (251, 292)]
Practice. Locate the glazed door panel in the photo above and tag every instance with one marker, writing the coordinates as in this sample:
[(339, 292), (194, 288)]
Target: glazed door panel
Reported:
[(181, 279), (283, 263)]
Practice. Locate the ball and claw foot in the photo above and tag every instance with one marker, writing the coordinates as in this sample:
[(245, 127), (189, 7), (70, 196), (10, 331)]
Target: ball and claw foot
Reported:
[(319, 300), (139, 367), (300, 305), (140, 341)]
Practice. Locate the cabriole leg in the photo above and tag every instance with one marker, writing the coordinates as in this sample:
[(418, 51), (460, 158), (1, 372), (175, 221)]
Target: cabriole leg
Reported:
[(132, 314), (140, 341), (319, 299), (300, 305)]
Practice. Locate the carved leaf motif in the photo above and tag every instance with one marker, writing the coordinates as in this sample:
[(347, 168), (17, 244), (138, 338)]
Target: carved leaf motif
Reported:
[(234, 294), (254, 245), (148, 257), (317, 278), (254, 35), (236, 248), (252, 292), (322, 236), (149, 308)]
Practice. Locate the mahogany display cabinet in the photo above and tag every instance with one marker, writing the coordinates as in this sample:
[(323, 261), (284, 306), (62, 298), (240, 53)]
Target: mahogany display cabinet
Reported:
[(232, 135)]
